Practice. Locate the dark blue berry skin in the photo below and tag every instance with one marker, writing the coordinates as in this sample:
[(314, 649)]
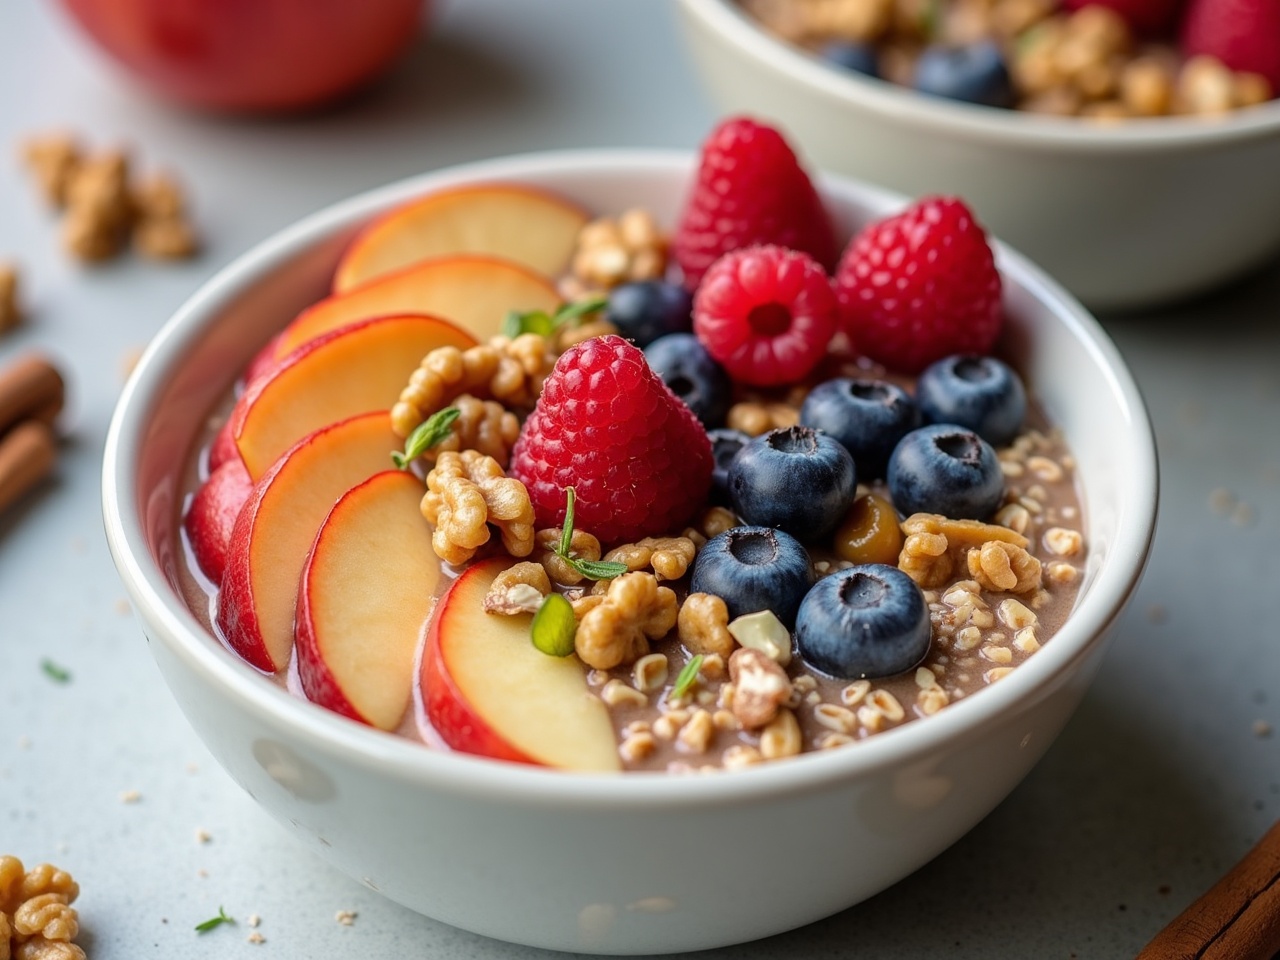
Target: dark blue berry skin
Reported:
[(980, 393), (867, 621), (974, 73), (947, 469), (851, 56), (725, 444), (868, 416), (685, 366), (645, 310), (752, 569), (796, 479)]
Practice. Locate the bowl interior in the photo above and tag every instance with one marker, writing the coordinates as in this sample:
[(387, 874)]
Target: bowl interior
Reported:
[(1071, 366)]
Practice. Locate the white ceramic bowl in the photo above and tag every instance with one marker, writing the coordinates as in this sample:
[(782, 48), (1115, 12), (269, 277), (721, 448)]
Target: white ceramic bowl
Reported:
[(611, 864), (1124, 215)]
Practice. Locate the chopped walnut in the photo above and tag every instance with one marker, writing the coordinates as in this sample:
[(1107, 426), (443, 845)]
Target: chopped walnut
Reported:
[(518, 589), (466, 492), (10, 314), (669, 557), (617, 631), (760, 687), (936, 546), (52, 159), (704, 625), (99, 207), (754, 418), (610, 252), (506, 370), (1004, 567), (163, 230), (485, 426), (582, 546), (36, 919)]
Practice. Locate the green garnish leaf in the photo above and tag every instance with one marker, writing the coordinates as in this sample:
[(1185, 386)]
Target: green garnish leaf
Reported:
[(541, 322), (212, 922), (425, 436), (591, 569), (597, 569), (54, 672), (687, 675), (554, 626)]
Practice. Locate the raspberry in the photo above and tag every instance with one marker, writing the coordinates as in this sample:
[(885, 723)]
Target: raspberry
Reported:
[(749, 189), (766, 314), (920, 286), (605, 424), (1243, 34)]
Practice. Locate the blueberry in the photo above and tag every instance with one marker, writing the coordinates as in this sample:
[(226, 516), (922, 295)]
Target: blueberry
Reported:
[(974, 73), (797, 479), (685, 366), (866, 621), (725, 444), (980, 393), (946, 469), (868, 416), (754, 568), (852, 56), (645, 310)]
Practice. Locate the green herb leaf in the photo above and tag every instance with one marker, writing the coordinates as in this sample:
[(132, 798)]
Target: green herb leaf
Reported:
[(686, 678), (212, 922), (541, 322), (566, 531), (54, 672), (554, 626), (427, 434), (597, 569)]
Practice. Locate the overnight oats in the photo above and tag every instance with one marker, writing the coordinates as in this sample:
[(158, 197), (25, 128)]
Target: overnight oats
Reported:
[(593, 495), (1102, 59)]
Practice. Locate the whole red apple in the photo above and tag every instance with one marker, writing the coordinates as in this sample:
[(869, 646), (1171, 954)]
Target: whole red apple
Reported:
[(252, 55)]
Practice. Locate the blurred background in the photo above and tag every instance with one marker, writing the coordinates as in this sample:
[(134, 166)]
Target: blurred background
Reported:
[(1166, 776)]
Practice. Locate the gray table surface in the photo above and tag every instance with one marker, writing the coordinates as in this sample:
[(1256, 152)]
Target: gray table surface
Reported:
[(1165, 776)]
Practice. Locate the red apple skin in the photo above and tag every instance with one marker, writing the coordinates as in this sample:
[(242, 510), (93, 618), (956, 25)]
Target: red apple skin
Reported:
[(263, 364), (235, 610), (255, 56), (224, 449), (212, 516), (450, 714)]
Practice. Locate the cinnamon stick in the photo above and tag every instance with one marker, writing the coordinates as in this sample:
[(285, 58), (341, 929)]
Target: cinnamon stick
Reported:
[(30, 388), (1238, 919), (27, 454)]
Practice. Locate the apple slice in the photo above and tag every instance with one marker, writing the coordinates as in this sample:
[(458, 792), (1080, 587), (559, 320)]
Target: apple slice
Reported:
[(366, 595), (473, 292), (520, 223), (354, 370), (278, 524), (212, 516), (489, 691)]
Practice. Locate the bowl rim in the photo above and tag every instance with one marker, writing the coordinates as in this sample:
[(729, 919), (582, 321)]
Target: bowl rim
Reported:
[(903, 106), (388, 755)]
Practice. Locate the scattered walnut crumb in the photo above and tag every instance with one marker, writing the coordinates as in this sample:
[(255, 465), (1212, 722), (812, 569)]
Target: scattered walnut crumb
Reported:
[(24, 742), (203, 835), (1221, 500), (1261, 729), (346, 917), (1243, 515), (254, 920), (256, 938), (1156, 613), (10, 315), (130, 796)]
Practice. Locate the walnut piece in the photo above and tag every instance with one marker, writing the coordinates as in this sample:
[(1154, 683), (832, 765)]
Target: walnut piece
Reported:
[(36, 919), (485, 426), (617, 631), (669, 557), (936, 546), (47, 915), (508, 371), (610, 252), (10, 314), (1003, 567), (52, 159), (760, 687), (466, 492), (704, 625), (518, 589), (754, 418), (582, 546)]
